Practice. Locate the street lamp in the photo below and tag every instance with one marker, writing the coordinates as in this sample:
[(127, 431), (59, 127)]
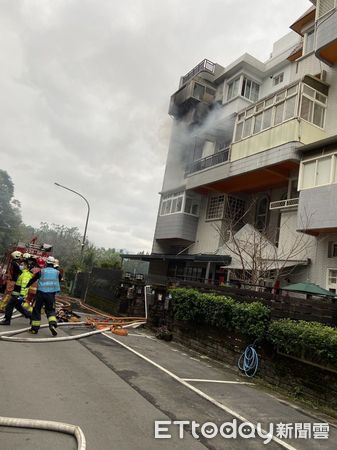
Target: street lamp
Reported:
[(86, 222)]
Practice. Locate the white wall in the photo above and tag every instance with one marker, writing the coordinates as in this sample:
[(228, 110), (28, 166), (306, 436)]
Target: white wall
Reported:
[(207, 237), (292, 244)]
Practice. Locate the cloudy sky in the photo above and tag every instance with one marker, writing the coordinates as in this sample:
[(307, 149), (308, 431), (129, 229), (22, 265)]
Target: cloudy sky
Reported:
[(85, 88)]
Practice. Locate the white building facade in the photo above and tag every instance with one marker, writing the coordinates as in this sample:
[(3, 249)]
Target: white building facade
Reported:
[(255, 143)]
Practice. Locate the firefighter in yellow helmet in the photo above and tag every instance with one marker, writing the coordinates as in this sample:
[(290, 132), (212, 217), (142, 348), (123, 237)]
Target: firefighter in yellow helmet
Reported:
[(18, 295)]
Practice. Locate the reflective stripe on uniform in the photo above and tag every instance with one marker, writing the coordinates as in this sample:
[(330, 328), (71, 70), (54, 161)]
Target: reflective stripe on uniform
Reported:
[(36, 323), (28, 307), (52, 319)]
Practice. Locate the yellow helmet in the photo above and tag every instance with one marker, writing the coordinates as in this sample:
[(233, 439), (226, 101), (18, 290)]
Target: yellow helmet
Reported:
[(26, 255)]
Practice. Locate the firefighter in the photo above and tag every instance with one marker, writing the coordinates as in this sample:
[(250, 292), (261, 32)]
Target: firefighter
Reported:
[(47, 287), (39, 263), (15, 265), (18, 295)]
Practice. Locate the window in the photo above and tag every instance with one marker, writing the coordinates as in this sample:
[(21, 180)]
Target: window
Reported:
[(323, 171), (215, 207), (332, 250), (318, 172), (233, 88), (309, 41), (282, 106), (332, 278), (270, 112), (198, 91), (173, 203), (262, 208), (235, 208), (308, 174), (191, 206), (267, 116), (313, 106), (250, 89), (277, 79)]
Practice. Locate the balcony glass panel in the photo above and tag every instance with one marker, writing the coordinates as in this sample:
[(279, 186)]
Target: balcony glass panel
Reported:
[(279, 113), (290, 108), (318, 118), (308, 103), (267, 116), (323, 171), (309, 171), (306, 108)]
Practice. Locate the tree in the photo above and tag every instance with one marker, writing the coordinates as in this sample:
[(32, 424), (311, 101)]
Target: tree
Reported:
[(108, 258), (255, 256), (10, 216)]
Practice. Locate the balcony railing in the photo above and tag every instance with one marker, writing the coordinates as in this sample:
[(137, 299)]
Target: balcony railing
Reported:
[(282, 204), (205, 65), (209, 161)]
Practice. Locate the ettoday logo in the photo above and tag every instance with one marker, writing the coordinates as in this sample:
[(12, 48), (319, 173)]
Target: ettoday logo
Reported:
[(244, 430)]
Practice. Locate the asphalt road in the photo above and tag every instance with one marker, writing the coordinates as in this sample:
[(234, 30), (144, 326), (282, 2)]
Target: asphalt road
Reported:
[(115, 394)]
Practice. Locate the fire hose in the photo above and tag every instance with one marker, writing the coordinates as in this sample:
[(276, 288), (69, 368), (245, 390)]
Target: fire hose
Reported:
[(74, 430), (47, 425)]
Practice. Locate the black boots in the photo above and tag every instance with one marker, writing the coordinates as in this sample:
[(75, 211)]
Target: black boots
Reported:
[(5, 322)]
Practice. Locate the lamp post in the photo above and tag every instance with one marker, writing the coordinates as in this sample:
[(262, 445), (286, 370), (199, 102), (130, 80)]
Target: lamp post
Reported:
[(87, 219)]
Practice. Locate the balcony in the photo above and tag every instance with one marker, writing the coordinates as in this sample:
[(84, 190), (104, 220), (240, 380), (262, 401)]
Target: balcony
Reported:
[(204, 66), (326, 32), (210, 161), (294, 114), (178, 226), (194, 92), (284, 204)]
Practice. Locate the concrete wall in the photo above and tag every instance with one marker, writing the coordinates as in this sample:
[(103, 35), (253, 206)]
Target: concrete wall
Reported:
[(317, 208), (331, 117), (176, 226), (326, 30)]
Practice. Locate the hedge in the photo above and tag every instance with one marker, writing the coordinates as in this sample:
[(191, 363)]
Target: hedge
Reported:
[(250, 319), (309, 340)]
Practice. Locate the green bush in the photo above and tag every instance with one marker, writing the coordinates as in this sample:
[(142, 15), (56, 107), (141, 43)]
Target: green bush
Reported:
[(311, 340), (250, 319)]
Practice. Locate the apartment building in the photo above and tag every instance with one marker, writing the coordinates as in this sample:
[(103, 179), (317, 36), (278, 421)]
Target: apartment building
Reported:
[(250, 185)]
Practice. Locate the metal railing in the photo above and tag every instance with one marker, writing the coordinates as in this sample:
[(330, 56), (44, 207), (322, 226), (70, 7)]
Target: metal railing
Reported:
[(208, 161), (205, 65), (281, 204)]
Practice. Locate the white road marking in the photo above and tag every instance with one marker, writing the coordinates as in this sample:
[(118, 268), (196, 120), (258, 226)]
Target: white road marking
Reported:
[(216, 381), (197, 391)]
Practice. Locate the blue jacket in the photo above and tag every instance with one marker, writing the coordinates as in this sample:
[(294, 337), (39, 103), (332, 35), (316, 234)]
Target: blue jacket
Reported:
[(49, 280)]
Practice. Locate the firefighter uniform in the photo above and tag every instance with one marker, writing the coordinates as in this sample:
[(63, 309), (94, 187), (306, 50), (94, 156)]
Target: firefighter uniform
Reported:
[(18, 295), (48, 286)]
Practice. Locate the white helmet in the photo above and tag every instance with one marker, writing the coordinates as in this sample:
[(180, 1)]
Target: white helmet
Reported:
[(56, 263), (50, 260), (26, 255), (16, 254)]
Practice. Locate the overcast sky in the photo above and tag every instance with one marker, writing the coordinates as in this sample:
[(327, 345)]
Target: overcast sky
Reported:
[(85, 88)]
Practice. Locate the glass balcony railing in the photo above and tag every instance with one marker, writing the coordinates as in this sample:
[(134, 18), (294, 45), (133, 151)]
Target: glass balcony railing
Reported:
[(208, 161)]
